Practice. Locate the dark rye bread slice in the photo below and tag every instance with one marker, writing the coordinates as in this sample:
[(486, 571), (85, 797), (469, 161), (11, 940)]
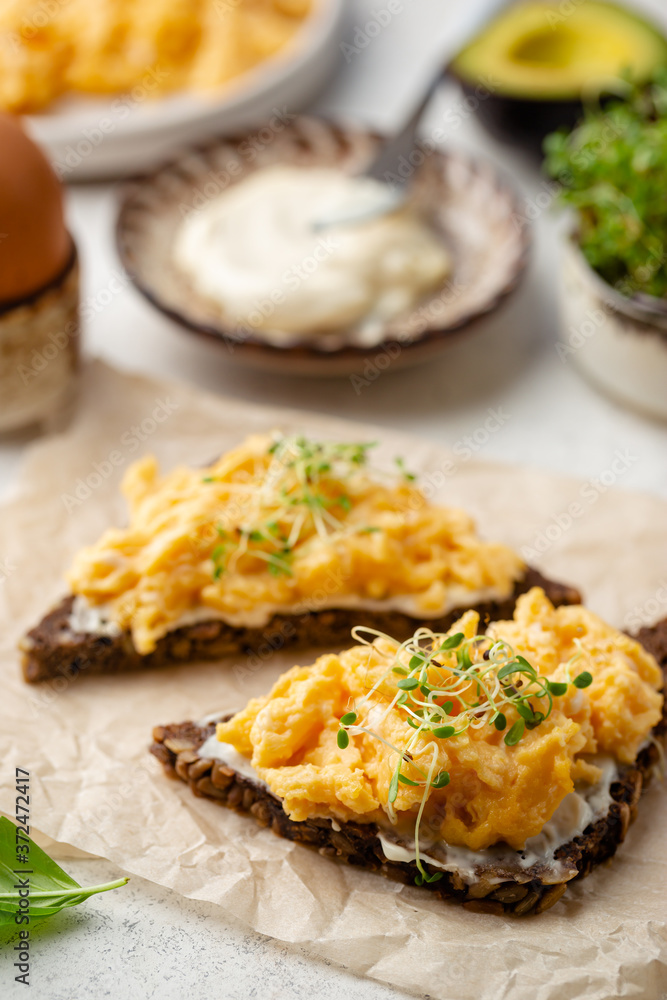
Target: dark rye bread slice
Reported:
[(531, 890), (52, 649)]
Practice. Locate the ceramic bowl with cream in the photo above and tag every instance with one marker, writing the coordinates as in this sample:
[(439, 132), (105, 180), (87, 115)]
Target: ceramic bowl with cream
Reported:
[(279, 252)]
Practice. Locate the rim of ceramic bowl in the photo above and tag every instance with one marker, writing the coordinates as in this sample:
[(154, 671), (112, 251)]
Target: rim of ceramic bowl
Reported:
[(648, 310), (64, 122)]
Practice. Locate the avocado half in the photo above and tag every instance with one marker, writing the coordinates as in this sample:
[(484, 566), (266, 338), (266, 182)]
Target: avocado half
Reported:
[(528, 71)]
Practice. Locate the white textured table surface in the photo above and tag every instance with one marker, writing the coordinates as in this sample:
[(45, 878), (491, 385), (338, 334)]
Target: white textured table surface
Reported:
[(144, 941)]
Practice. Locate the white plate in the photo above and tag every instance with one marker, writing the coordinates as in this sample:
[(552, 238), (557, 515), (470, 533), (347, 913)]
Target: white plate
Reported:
[(88, 138)]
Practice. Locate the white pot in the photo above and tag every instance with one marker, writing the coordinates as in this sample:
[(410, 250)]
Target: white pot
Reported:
[(620, 343)]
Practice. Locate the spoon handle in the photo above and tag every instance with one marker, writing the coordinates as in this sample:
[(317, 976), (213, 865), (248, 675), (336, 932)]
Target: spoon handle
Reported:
[(385, 165)]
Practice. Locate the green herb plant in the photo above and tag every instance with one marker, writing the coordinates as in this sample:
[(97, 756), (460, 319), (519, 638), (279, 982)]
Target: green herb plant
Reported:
[(50, 888), (303, 492), (613, 171), (445, 684)]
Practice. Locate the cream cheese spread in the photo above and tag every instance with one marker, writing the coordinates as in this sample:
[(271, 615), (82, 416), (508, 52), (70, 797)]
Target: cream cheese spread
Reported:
[(256, 252), (94, 619), (213, 749), (581, 807), (98, 618), (577, 810)]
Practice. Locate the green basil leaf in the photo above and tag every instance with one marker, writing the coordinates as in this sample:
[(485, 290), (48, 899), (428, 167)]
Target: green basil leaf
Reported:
[(51, 888)]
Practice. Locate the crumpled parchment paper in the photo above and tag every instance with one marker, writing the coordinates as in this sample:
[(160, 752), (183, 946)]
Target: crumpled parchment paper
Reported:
[(95, 786)]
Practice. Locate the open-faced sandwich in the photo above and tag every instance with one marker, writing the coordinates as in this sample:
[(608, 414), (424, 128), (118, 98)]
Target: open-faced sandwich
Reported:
[(493, 765), (280, 540)]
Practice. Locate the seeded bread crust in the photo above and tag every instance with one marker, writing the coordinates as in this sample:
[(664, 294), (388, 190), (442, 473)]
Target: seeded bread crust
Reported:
[(177, 745), (52, 649)]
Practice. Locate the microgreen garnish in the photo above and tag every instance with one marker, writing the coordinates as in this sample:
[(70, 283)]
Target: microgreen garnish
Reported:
[(342, 738), (400, 463), (452, 641), (408, 683), (441, 780), (613, 170), (219, 553), (444, 685), (303, 494), (444, 732), (515, 733)]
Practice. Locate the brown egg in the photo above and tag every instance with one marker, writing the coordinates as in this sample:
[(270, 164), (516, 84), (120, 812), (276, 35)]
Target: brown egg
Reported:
[(34, 243)]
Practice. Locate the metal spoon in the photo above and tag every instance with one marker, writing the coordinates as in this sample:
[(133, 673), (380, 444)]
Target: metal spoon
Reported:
[(384, 167)]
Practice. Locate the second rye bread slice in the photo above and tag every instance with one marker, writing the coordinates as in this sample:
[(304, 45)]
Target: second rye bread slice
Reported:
[(494, 888), (56, 647)]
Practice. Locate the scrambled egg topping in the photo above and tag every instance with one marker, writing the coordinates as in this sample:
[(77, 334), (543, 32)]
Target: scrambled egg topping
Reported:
[(142, 47), (285, 525), (496, 792)]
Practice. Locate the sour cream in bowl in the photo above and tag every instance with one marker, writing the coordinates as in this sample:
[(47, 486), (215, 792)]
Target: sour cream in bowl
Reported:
[(256, 253)]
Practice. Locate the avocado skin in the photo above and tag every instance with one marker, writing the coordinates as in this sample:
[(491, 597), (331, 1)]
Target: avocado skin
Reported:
[(521, 122), (523, 117)]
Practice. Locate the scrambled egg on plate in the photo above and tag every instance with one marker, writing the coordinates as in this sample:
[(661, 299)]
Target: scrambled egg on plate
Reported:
[(113, 46)]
